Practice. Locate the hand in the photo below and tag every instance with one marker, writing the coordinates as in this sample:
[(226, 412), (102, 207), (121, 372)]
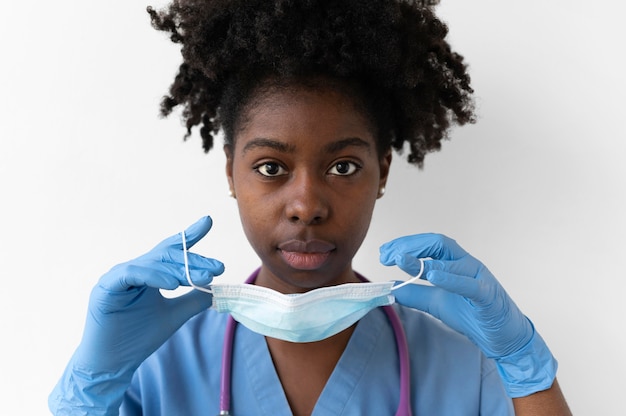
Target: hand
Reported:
[(128, 319), (469, 299)]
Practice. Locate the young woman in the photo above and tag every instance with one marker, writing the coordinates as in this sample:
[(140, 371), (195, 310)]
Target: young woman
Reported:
[(311, 96)]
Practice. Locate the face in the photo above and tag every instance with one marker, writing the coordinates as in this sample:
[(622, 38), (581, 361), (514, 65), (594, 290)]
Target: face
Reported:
[(306, 174)]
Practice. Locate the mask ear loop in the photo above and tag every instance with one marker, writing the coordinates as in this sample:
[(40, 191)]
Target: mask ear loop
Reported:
[(413, 279), (186, 259)]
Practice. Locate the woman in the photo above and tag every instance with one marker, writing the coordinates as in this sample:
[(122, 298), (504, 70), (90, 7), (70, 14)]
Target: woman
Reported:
[(312, 97)]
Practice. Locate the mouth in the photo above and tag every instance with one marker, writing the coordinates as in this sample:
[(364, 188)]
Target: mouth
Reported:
[(306, 255)]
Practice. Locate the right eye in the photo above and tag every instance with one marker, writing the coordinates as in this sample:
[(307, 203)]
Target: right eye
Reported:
[(270, 169)]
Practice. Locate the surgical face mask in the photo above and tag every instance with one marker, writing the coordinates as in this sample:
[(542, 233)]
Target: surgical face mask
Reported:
[(301, 317), (306, 317)]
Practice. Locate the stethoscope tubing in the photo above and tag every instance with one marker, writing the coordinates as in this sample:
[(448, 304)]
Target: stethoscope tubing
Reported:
[(227, 361)]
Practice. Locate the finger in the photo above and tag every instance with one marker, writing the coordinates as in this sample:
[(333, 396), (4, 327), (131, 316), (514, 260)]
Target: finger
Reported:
[(466, 266), (409, 264), (468, 287), (201, 269), (153, 279), (129, 275), (193, 234), (166, 276), (195, 261), (196, 231), (152, 274), (436, 246), (200, 275), (424, 298)]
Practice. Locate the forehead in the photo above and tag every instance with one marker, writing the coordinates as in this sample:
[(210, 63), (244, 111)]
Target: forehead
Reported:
[(296, 113)]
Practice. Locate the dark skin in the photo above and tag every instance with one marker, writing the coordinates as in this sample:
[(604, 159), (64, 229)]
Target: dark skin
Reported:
[(547, 402), (306, 174), (305, 167), (304, 368)]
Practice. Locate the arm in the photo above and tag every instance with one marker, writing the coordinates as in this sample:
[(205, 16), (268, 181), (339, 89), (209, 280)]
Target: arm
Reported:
[(468, 298), (546, 402)]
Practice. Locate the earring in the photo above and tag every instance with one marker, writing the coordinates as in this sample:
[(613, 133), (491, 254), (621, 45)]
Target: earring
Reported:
[(381, 192), (231, 194)]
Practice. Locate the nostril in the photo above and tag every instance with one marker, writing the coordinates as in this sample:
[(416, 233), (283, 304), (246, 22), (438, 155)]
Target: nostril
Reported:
[(314, 220)]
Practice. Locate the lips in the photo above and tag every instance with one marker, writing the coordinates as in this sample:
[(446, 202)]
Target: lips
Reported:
[(305, 255)]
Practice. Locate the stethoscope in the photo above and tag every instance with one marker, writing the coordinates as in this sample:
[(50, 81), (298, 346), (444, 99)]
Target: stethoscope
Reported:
[(404, 407)]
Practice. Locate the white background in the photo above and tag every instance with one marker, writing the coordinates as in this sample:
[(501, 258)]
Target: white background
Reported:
[(90, 177)]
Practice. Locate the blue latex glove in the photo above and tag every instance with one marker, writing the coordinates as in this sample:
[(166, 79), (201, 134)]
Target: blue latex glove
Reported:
[(469, 299), (128, 319)]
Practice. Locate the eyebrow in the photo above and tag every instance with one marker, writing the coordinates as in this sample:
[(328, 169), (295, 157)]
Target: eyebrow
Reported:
[(282, 147), (271, 143), (339, 145)]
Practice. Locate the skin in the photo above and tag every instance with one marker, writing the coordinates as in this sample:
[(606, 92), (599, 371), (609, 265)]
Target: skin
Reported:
[(306, 174), (547, 402)]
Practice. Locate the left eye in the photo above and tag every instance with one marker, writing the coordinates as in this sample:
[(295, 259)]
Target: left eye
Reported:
[(343, 168)]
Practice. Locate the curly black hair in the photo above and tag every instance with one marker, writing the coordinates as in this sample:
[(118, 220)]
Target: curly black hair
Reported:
[(391, 55)]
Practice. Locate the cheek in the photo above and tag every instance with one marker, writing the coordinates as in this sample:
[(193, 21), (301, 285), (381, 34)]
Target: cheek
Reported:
[(257, 217), (363, 216), (355, 214)]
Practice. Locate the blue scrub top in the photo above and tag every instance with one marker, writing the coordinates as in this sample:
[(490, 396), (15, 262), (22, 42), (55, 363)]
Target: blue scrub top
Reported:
[(449, 375)]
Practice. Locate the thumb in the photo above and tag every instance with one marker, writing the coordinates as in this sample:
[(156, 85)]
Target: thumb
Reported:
[(428, 299), (188, 305)]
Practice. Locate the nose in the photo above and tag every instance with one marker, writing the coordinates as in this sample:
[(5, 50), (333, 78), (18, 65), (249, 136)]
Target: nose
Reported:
[(307, 200)]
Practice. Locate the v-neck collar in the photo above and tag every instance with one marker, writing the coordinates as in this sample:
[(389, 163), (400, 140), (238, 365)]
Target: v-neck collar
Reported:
[(265, 384)]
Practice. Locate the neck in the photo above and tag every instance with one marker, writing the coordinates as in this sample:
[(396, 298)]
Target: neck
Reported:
[(304, 368)]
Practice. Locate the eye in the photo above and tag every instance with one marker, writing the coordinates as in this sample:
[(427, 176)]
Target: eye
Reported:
[(270, 169), (344, 168)]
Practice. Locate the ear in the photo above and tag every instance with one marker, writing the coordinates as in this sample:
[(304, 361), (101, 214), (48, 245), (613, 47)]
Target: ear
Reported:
[(385, 163), (228, 150)]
